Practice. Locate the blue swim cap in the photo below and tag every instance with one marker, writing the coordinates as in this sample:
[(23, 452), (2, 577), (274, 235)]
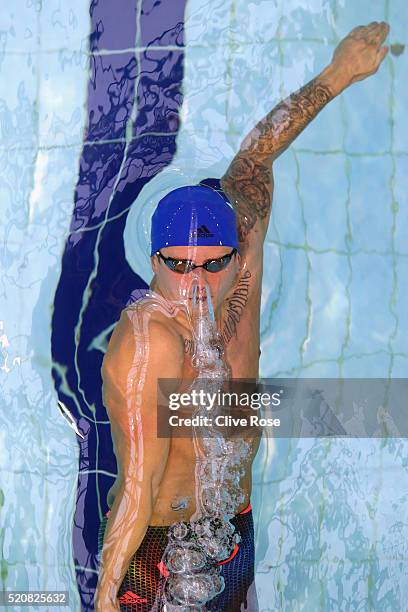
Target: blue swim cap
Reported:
[(198, 215)]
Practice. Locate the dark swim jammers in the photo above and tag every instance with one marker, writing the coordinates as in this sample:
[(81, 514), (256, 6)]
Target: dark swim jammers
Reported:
[(139, 587)]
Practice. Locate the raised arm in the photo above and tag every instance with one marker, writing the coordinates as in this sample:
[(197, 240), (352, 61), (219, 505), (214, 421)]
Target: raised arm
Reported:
[(133, 363), (248, 180)]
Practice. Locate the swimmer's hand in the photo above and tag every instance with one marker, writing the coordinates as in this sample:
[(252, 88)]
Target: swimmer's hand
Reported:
[(360, 53), (105, 601)]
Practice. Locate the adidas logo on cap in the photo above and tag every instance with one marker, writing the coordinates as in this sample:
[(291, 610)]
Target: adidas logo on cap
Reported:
[(201, 232)]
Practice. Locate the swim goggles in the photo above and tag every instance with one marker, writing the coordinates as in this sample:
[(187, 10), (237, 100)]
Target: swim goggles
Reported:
[(184, 266)]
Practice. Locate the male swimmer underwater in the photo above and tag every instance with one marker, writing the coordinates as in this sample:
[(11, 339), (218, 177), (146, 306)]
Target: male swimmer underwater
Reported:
[(197, 239)]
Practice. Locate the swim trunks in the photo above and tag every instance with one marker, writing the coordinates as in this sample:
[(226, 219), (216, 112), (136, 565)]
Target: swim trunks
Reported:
[(146, 570)]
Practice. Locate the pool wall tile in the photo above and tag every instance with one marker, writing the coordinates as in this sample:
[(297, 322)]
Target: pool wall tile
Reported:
[(331, 521)]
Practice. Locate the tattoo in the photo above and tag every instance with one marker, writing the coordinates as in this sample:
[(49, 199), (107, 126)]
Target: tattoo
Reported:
[(250, 185), (235, 307), (249, 178)]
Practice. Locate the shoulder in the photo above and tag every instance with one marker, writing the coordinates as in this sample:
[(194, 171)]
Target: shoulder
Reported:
[(143, 335)]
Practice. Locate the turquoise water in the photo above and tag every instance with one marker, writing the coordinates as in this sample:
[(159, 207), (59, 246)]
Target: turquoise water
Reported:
[(331, 515)]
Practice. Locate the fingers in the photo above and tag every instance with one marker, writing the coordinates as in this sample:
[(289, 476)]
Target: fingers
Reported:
[(374, 33), (379, 58), (381, 54), (381, 32), (376, 26)]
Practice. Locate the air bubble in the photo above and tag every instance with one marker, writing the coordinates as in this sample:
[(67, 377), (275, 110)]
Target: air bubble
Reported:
[(209, 537)]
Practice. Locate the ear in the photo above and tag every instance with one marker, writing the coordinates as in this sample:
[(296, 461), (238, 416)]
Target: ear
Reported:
[(154, 263)]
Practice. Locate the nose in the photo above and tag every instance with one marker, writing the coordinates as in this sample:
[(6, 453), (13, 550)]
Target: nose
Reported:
[(199, 277), (198, 283)]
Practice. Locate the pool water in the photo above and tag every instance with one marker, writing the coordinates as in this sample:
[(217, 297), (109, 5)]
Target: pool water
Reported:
[(84, 159)]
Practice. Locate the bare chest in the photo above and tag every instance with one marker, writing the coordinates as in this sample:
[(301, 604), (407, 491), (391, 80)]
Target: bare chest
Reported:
[(241, 350)]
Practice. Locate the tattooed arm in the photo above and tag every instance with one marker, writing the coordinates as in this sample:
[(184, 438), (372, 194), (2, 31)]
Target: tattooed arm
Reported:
[(248, 180)]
